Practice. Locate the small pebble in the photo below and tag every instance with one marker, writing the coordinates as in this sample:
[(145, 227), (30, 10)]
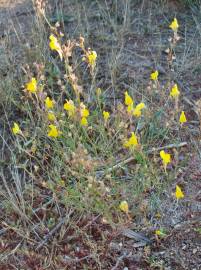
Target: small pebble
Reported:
[(194, 250)]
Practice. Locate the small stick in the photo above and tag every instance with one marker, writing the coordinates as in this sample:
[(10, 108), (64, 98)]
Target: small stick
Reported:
[(173, 145)]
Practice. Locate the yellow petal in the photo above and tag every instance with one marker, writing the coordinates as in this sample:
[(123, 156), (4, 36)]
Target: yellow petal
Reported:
[(123, 206), (51, 116), (174, 25), (31, 86), (166, 158), (55, 46), (70, 107), (158, 232), (53, 131), (130, 108), (132, 141), (182, 118), (128, 99), (154, 75), (91, 57), (84, 122), (49, 103), (106, 115), (140, 106), (137, 113), (84, 110), (16, 129), (174, 91), (178, 193), (98, 91)]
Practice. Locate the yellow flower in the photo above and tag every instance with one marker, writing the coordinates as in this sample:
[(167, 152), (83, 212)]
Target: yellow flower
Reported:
[(123, 206), (178, 193), (130, 108), (154, 75), (84, 110), (160, 233), (53, 131), (51, 116), (49, 103), (91, 58), (182, 118), (166, 158), (31, 86), (16, 129), (98, 91), (106, 115), (128, 99), (61, 182), (84, 122), (55, 46), (70, 107), (174, 25), (138, 109), (132, 141), (174, 91), (140, 106), (137, 113)]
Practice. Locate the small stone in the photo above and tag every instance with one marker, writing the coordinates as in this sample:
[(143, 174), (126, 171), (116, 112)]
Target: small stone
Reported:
[(184, 247), (194, 250)]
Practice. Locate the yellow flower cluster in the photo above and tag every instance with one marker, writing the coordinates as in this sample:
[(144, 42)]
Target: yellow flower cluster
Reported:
[(84, 114), (132, 141), (128, 99), (138, 109), (70, 107), (175, 94), (129, 102), (49, 104), (53, 131), (55, 46)]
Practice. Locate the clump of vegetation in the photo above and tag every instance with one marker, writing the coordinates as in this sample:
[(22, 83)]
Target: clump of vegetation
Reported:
[(77, 138), (74, 156)]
